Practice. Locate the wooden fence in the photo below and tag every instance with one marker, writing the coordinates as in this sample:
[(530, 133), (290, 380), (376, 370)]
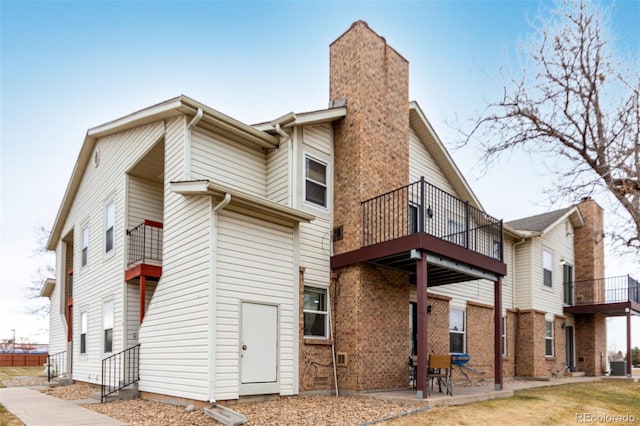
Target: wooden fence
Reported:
[(22, 360)]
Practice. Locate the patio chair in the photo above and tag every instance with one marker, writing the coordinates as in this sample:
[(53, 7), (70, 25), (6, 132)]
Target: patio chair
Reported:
[(440, 371)]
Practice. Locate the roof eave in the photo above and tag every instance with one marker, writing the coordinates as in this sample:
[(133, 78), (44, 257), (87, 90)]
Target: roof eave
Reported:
[(249, 203)]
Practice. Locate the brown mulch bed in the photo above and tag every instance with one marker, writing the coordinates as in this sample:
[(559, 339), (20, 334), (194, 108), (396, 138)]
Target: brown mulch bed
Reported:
[(295, 410)]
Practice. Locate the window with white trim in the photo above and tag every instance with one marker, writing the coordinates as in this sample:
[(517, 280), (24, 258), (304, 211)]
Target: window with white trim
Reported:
[(107, 324), (316, 315), (547, 268), (110, 223), (85, 245), (83, 332), (315, 181), (456, 331), (548, 338)]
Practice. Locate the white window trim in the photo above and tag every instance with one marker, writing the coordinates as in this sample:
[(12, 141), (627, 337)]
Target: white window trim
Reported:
[(544, 268), (104, 326), (110, 201), (552, 338), (84, 228), (463, 331), (84, 326), (325, 313), (304, 182)]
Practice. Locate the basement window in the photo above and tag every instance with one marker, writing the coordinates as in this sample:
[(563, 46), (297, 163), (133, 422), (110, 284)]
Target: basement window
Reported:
[(316, 316)]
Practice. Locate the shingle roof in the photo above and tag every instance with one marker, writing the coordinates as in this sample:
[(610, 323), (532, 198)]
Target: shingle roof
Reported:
[(540, 222)]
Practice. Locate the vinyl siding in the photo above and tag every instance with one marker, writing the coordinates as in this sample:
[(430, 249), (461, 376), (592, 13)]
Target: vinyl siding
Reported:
[(174, 336), (225, 162), (524, 275), (145, 201), (278, 172), (254, 263), (421, 163), (315, 237), (560, 245), (102, 278), (57, 324)]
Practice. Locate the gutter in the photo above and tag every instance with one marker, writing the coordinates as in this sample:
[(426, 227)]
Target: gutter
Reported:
[(187, 143)]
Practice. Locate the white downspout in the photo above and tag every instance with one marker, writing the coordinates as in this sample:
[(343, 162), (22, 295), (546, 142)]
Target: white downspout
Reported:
[(281, 132), (213, 294), (187, 143)]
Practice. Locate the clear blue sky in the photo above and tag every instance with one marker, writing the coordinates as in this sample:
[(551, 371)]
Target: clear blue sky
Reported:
[(70, 66)]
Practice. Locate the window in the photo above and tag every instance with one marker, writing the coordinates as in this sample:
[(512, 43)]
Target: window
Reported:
[(107, 321), (85, 245), (548, 338), (547, 267), (83, 332), (456, 331), (567, 272), (497, 250), (110, 225), (315, 176), (316, 317), (456, 232), (504, 336)]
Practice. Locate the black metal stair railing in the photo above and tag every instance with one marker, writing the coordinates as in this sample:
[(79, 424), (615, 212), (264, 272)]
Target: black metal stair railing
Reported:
[(618, 289), (119, 371), (423, 207), (145, 243), (56, 365)]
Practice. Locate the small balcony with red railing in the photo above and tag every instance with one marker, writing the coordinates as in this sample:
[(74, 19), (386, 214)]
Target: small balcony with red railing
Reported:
[(611, 296), (461, 241), (144, 254)]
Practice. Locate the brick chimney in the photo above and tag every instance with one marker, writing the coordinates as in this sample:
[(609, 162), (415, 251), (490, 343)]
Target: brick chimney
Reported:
[(591, 329), (371, 144)]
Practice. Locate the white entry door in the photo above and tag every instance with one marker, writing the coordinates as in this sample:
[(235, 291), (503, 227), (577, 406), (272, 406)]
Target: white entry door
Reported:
[(258, 348)]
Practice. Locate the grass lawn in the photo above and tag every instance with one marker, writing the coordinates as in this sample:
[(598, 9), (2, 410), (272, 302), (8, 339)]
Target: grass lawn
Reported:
[(551, 405), (9, 372)]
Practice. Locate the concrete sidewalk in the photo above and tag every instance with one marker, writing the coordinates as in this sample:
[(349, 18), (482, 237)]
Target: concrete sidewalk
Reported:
[(35, 408)]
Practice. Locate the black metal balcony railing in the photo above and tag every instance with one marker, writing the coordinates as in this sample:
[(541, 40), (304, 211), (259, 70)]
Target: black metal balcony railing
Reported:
[(607, 290), (56, 365), (120, 370), (145, 242), (422, 207)]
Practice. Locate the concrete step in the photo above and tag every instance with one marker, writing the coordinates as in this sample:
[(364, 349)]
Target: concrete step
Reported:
[(574, 374), (225, 415), (130, 392)]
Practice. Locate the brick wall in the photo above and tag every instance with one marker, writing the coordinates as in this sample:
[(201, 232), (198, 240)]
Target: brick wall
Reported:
[(591, 335), (555, 365), (508, 362), (480, 338), (438, 324), (531, 344), (588, 245)]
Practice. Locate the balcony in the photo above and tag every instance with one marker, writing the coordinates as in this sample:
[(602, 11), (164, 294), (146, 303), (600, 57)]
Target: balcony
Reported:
[(144, 256), (612, 296), (461, 241)]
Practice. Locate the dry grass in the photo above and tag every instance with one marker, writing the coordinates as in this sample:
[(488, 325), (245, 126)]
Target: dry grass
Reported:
[(8, 419), (552, 405), (12, 372)]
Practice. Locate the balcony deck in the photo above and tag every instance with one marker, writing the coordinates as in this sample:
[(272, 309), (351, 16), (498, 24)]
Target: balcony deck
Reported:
[(145, 251), (612, 296), (461, 242)]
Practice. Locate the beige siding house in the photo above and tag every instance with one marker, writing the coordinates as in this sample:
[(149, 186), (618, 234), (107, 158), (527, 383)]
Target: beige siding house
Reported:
[(215, 259)]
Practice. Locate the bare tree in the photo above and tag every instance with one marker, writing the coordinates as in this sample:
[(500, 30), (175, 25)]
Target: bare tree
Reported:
[(578, 102), (38, 306)]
